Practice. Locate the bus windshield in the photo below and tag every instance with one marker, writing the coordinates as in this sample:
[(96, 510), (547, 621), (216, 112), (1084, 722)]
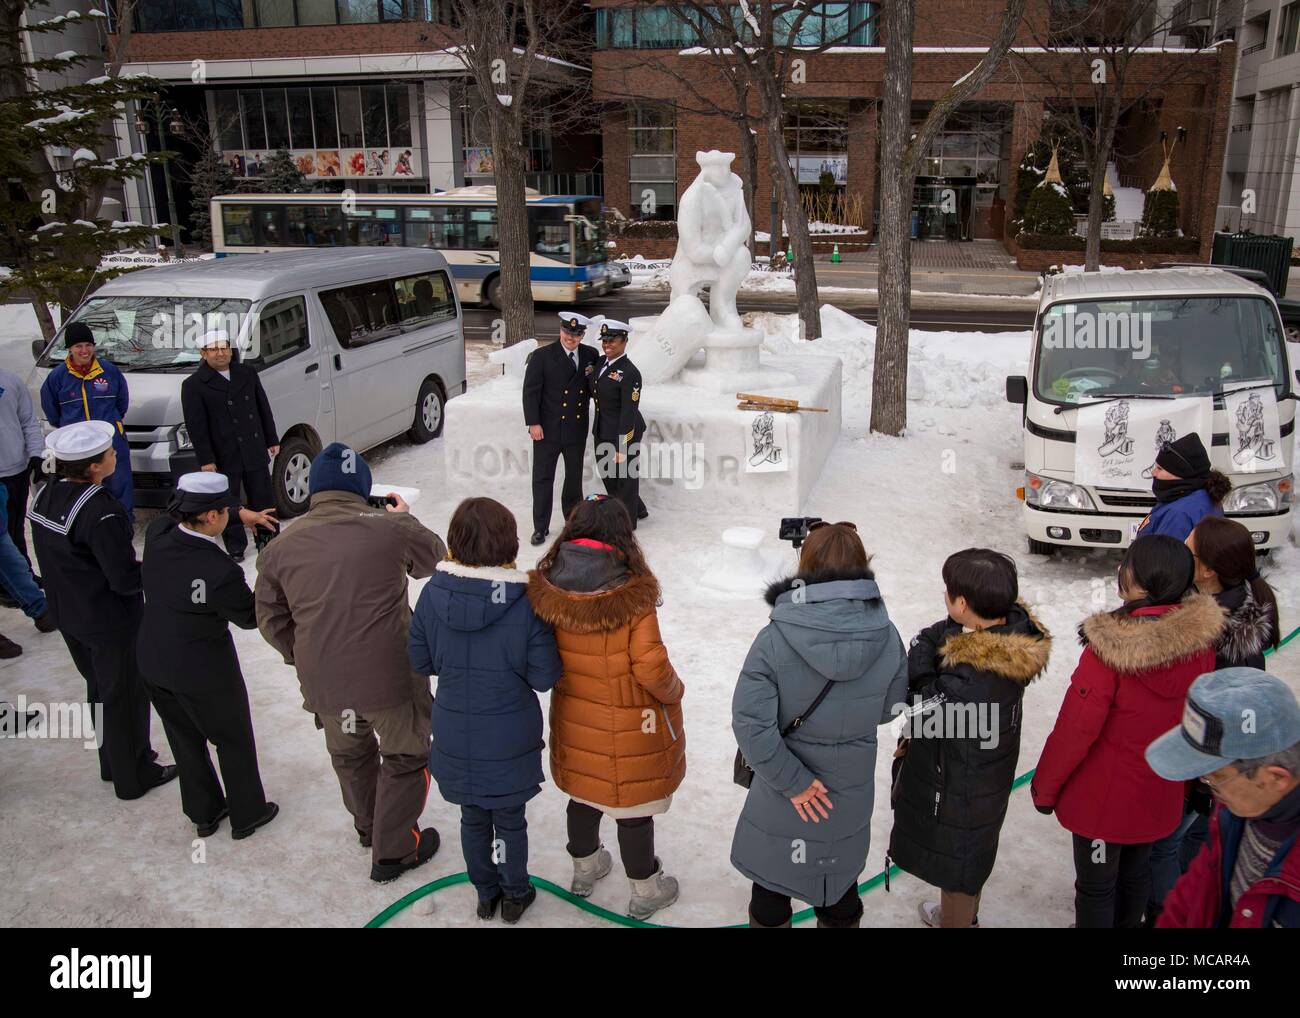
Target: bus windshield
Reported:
[(589, 232), (154, 333), (1156, 346)]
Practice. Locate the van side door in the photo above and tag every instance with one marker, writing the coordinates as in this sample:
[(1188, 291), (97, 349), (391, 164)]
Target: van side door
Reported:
[(286, 351), (433, 343)]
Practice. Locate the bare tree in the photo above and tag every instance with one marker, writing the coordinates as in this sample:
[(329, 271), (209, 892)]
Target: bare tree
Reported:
[(1106, 69), (519, 57), (901, 152)]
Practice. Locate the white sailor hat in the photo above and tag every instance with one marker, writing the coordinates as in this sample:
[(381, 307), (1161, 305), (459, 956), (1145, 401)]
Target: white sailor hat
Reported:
[(214, 337), (612, 328), (200, 491), (573, 321), (81, 441)]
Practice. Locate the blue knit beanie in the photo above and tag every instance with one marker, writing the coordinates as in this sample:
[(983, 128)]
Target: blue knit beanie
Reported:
[(339, 468)]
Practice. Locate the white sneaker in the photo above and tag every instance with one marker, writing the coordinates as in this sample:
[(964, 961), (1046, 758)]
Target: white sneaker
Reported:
[(589, 869), (929, 913)]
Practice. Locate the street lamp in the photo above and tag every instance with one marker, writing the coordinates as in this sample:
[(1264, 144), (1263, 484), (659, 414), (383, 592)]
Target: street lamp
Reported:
[(176, 127)]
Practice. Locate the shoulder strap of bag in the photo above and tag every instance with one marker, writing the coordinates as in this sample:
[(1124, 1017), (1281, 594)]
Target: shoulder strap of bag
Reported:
[(798, 722)]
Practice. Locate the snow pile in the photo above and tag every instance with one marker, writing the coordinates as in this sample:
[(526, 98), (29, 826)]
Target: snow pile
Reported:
[(815, 226), (945, 369)]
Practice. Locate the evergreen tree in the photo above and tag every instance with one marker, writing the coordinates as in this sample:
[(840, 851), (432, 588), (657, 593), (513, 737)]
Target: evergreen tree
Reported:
[(1069, 155), (280, 175), (1160, 213), (52, 236), (210, 176), (1049, 211)]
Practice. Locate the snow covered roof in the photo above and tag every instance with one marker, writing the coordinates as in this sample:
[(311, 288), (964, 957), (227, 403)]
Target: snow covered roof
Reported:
[(1179, 282), (255, 276)]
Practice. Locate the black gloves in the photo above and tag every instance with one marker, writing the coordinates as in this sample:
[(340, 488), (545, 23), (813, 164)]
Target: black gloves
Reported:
[(1047, 811), (37, 467)]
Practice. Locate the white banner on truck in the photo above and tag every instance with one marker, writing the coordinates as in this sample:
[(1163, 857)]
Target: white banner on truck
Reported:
[(1254, 437), (1118, 440)]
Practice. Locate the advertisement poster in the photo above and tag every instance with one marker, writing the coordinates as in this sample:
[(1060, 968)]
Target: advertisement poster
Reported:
[(1118, 439), (479, 161), (320, 163), (809, 169)]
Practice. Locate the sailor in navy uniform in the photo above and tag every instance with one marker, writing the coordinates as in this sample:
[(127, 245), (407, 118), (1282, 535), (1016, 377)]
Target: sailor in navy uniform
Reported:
[(556, 394), (618, 426), (82, 537)]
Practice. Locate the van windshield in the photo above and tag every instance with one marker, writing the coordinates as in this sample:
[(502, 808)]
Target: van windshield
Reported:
[(1156, 346), (153, 333)]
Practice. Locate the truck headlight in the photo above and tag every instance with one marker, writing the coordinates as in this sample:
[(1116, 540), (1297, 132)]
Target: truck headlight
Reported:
[(182, 437), (1264, 497), (1048, 493)]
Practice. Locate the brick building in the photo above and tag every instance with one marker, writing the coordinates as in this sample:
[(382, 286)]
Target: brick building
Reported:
[(663, 92)]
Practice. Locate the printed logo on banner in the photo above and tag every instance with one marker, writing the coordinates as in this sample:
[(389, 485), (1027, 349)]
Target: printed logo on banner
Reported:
[(1118, 440)]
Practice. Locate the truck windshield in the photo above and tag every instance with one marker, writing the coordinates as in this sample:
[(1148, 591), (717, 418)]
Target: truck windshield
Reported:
[(153, 333), (1156, 346)]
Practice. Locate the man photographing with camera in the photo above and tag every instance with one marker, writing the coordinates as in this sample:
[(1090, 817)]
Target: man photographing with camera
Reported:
[(331, 598)]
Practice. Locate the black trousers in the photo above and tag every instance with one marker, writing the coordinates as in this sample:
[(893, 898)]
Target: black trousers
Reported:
[(257, 495), (622, 480), (772, 908), (113, 680), (219, 714), (636, 839), (545, 456), (1111, 884), (16, 525)]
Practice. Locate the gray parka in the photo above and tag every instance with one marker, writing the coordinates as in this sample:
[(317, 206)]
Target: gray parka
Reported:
[(821, 629)]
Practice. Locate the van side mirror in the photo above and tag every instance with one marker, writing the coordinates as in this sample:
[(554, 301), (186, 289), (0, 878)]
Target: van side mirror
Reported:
[(1018, 389), (38, 348)]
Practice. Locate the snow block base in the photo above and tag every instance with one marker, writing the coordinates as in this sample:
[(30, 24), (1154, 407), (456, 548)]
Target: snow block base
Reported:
[(695, 449)]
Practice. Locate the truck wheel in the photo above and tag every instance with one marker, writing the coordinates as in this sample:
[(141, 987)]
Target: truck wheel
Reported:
[(429, 406), (494, 292), (290, 477), (1041, 547)]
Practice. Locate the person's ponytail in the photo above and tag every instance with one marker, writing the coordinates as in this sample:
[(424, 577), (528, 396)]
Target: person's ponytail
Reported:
[(1217, 486)]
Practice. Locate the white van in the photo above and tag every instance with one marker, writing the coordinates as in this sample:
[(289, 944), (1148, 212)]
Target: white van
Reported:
[(357, 345), (1205, 328)]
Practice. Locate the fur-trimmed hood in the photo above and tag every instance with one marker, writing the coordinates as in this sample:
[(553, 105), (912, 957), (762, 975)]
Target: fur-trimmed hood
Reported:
[(806, 580), (592, 612), (1249, 625), (1142, 643), (1017, 651), (470, 598)]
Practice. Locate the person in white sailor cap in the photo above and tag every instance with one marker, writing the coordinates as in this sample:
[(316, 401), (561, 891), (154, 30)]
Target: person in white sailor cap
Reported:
[(193, 592), (92, 581), (230, 423), (556, 398), (618, 425)]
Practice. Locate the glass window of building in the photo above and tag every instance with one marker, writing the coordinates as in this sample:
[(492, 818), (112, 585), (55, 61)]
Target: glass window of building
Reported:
[(274, 13), (254, 125), (229, 125), (358, 12), (317, 12), (399, 115), (323, 118), (300, 132), (277, 118), (231, 13), (652, 159), (817, 138), (373, 116), (1288, 38), (970, 145), (349, 105)]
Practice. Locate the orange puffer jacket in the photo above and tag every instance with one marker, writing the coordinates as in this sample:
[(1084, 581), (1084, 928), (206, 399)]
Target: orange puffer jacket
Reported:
[(616, 718)]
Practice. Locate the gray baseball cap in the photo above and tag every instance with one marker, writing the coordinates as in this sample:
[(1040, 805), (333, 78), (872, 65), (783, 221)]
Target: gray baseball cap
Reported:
[(1232, 714)]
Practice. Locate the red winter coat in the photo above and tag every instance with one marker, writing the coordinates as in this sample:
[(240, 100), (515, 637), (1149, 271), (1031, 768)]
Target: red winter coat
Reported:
[(1195, 901), (1127, 689)]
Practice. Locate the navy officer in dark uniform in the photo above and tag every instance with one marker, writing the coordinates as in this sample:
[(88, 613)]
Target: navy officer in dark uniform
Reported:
[(556, 394), (193, 592), (618, 427)]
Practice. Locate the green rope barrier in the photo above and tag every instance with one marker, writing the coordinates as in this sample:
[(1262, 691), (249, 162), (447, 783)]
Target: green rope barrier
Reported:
[(590, 908)]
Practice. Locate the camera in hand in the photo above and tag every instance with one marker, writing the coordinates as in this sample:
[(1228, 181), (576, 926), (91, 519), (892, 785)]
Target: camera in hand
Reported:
[(263, 537), (795, 528), (381, 501)]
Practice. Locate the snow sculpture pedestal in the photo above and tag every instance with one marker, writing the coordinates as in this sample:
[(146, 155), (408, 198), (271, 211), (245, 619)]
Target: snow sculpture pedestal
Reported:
[(743, 567)]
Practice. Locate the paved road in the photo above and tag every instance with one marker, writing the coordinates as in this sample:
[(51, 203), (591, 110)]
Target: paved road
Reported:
[(630, 303)]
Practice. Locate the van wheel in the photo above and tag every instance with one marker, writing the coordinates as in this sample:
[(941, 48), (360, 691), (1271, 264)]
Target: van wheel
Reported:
[(494, 292), (1041, 547), (290, 477), (429, 406)]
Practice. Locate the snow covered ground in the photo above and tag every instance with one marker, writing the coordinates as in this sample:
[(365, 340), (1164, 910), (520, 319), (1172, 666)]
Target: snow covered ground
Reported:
[(77, 856)]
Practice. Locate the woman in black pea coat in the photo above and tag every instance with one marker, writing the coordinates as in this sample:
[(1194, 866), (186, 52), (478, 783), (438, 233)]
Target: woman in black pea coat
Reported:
[(950, 794), (193, 592)]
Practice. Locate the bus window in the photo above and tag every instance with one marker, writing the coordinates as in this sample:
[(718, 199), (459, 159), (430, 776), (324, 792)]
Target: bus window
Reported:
[(374, 227), (270, 229), (424, 298), (552, 239), (447, 226), (237, 222), (419, 231), (482, 228), (314, 225)]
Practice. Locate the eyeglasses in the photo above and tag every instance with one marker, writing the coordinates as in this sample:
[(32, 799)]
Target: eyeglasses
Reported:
[(822, 523)]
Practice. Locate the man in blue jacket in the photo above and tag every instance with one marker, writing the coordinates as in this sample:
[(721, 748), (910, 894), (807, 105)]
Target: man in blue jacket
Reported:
[(84, 388)]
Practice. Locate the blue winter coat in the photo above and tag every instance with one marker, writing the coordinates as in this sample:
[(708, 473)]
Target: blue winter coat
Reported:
[(474, 629), (837, 631), (101, 396), (1179, 517)]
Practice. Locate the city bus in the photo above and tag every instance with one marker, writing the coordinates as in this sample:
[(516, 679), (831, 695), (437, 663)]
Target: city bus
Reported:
[(567, 259)]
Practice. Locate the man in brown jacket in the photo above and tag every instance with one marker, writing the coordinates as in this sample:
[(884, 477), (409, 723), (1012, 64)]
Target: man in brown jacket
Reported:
[(332, 599)]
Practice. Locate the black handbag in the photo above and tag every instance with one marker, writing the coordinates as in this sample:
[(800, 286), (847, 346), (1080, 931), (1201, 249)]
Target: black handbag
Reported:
[(742, 773)]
